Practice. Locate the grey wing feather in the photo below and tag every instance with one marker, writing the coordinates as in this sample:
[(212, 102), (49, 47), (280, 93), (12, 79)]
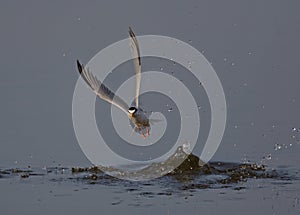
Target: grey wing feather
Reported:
[(137, 64), (100, 89)]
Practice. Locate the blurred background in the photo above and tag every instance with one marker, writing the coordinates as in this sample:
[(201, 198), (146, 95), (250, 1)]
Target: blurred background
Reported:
[(252, 45)]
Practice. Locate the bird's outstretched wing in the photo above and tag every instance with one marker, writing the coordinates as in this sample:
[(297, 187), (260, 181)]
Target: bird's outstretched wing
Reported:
[(137, 64), (100, 89)]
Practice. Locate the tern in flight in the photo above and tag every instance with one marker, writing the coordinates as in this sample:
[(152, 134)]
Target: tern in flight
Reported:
[(135, 114)]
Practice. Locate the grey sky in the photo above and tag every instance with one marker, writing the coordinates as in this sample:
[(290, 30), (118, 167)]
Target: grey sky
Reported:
[(253, 46)]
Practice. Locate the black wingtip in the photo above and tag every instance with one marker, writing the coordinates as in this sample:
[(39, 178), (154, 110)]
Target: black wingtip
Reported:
[(131, 33), (79, 66)]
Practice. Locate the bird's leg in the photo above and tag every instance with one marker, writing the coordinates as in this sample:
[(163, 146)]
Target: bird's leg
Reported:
[(133, 130), (142, 133), (147, 131)]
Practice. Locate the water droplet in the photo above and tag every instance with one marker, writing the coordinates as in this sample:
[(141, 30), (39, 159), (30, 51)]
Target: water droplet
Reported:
[(64, 54), (245, 84), (269, 157), (161, 69), (232, 64), (294, 129), (186, 147), (249, 53), (235, 126), (225, 59), (199, 107), (190, 41), (78, 18), (170, 109), (252, 123), (277, 147)]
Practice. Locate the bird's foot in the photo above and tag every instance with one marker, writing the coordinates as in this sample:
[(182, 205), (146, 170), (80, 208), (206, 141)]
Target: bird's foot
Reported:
[(147, 131), (142, 133)]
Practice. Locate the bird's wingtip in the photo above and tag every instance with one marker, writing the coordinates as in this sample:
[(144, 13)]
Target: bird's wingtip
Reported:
[(131, 33), (79, 66)]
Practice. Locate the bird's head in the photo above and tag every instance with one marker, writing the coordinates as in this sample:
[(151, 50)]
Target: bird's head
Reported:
[(132, 111)]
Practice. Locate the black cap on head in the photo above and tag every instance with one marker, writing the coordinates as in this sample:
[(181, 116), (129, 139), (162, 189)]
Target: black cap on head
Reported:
[(132, 110)]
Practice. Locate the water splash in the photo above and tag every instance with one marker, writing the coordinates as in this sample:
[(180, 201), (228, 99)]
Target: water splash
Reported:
[(191, 174)]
